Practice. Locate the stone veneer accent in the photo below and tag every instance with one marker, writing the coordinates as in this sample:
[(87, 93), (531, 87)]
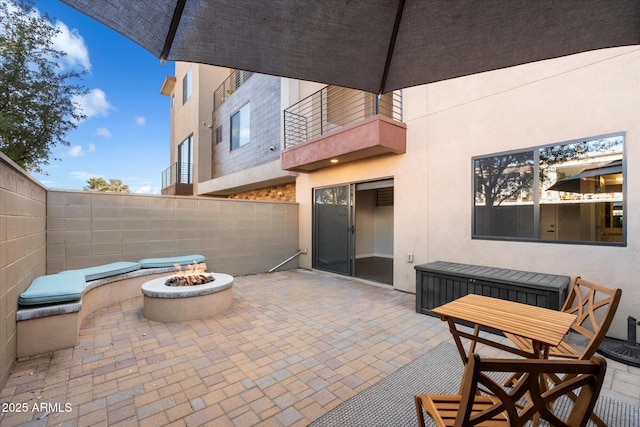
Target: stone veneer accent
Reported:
[(281, 193), (23, 213)]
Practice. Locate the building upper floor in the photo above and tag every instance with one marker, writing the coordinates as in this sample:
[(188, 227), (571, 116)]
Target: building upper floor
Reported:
[(234, 131)]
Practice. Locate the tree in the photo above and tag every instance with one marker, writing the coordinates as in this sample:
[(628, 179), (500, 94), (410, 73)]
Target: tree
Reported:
[(100, 184), (37, 108)]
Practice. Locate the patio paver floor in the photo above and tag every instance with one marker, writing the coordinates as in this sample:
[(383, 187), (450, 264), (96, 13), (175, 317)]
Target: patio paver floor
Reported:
[(293, 346)]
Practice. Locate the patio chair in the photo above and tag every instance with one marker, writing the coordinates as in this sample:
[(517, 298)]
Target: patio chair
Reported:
[(594, 306), (528, 401)]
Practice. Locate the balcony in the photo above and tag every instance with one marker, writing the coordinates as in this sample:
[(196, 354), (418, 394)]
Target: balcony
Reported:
[(236, 79), (339, 125), (177, 180)]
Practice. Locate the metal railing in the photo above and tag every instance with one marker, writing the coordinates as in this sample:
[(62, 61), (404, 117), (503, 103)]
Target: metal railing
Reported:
[(177, 173), (333, 107), (230, 85)]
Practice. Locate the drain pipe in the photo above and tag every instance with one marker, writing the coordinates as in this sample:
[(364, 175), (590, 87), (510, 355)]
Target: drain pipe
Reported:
[(287, 260)]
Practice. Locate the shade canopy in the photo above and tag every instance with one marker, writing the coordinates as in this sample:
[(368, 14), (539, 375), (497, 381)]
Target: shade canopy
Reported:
[(573, 183), (373, 45)]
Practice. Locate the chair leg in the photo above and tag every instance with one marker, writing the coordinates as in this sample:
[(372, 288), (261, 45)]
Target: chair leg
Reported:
[(419, 412), (557, 380)]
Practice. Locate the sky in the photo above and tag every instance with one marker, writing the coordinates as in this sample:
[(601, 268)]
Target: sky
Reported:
[(126, 134)]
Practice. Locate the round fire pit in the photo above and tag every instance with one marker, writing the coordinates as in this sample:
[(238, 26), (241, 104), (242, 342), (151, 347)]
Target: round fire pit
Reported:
[(164, 303)]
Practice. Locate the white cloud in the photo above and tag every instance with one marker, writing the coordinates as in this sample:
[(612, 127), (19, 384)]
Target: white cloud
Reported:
[(144, 189), (76, 151), (79, 151), (72, 43), (94, 103), (140, 120), (103, 132)]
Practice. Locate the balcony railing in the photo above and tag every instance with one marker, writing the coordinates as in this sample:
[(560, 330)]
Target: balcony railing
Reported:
[(334, 107), (177, 173), (230, 85)]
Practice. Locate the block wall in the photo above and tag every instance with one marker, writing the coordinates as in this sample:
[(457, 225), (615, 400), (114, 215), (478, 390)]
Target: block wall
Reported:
[(22, 249), (236, 236)]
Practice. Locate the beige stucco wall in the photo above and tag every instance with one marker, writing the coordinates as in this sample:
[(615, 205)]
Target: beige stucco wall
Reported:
[(449, 122), (236, 236), (187, 118), (22, 249)]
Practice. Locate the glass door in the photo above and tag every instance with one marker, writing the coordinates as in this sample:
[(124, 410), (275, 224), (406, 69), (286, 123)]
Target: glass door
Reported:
[(333, 228)]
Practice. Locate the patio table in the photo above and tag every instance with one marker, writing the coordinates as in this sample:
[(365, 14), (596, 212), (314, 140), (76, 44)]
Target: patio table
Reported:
[(544, 327)]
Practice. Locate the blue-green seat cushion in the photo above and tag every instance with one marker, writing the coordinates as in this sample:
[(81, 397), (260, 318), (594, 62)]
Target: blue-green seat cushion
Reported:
[(53, 288), (171, 261), (106, 270)]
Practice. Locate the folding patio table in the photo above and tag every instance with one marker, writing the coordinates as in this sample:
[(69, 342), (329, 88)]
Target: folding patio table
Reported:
[(544, 327)]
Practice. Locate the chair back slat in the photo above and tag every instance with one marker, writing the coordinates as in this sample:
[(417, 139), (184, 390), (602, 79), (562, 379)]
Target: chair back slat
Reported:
[(594, 306)]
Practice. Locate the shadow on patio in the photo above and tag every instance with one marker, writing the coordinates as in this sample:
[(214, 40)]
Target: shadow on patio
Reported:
[(293, 346)]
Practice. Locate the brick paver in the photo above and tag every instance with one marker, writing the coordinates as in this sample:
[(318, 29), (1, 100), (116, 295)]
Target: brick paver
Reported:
[(293, 346)]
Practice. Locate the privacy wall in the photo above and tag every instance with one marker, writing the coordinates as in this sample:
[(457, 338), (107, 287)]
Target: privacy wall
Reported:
[(22, 249), (236, 236)]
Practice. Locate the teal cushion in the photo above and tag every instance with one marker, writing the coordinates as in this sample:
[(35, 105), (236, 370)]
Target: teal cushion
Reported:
[(171, 261), (106, 270), (53, 288)]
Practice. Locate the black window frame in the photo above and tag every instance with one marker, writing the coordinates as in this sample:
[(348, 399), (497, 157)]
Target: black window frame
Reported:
[(235, 143), (547, 162)]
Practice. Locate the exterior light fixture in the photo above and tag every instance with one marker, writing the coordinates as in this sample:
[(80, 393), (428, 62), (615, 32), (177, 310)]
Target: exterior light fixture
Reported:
[(334, 161)]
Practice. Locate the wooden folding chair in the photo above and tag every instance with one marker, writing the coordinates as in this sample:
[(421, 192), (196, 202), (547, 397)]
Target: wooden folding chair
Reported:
[(508, 407), (594, 306)]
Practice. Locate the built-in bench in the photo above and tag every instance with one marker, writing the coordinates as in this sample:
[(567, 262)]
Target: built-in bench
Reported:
[(440, 282), (54, 306)]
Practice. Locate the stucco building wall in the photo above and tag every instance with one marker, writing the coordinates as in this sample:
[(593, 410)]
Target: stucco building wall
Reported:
[(449, 122)]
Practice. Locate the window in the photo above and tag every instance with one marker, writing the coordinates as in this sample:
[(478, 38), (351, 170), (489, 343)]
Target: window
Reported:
[(240, 127), (570, 192), (185, 161), (219, 134), (187, 86)]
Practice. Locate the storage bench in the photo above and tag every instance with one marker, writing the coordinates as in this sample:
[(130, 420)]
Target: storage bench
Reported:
[(440, 282)]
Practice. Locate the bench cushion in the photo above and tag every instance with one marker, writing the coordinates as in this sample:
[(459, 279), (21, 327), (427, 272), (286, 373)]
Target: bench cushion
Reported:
[(53, 288), (171, 261), (106, 270)]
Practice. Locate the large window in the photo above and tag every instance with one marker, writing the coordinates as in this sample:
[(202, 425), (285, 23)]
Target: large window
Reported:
[(570, 192), (187, 86), (240, 127)]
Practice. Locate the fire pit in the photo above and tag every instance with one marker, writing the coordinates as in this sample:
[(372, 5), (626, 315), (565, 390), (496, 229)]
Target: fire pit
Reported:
[(188, 295), (195, 274)]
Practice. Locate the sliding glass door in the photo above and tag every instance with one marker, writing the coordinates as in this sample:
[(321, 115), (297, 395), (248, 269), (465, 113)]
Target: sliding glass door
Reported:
[(333, 228)]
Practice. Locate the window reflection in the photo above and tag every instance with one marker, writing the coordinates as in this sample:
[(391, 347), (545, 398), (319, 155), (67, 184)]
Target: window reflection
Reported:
[(581, 197), (578, 188)]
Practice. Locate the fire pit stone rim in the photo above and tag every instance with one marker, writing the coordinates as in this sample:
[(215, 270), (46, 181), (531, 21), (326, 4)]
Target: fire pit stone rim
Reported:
[(157, 289)]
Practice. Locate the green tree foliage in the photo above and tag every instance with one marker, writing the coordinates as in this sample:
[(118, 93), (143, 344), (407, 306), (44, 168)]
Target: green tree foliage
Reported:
[(100, 184), (37, 107)]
